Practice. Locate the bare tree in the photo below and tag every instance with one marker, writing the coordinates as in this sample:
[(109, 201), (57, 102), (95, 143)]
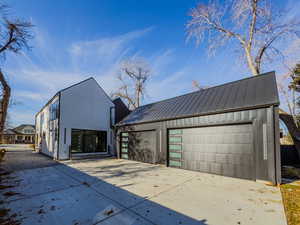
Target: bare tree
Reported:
[(289, 95), (252, 26), (133, 77), (196, 85), (14, 37)]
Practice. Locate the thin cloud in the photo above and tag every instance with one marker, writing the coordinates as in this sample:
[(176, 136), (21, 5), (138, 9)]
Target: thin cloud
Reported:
[(44, 73)]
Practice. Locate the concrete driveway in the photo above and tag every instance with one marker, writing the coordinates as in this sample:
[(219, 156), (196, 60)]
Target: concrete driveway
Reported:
[(118, 192)]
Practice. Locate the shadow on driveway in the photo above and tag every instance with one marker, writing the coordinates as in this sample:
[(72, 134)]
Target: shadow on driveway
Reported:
[(53, 193)]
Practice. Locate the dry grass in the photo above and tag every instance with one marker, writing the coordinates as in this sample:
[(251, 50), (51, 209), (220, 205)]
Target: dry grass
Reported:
[(291, 201)]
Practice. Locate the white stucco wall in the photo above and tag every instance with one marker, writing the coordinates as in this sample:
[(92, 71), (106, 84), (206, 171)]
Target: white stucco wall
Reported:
[(46, 145), (83, 106)]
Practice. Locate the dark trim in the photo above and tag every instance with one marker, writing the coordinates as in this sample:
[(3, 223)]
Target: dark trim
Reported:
[(106, 142), (196, 115), (277, 154), (48, 103), (135, 131), (87, 129), (65, 135), (59, 92), (76, 84), (58, 125)]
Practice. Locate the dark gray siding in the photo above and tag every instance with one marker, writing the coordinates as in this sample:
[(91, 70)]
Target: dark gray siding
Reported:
[(142, 146), (253, 92), (121, 110), (266, 161), (225, 150)]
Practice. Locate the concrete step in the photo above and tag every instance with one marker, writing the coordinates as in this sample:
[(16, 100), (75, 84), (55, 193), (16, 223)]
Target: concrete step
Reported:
[(91, 156)]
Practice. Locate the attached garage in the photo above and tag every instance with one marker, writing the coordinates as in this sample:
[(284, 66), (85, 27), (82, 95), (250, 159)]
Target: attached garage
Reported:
[(230, 130), (225, 150), (139, 146)]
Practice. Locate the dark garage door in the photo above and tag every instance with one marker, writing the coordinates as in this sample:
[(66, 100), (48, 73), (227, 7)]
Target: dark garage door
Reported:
[(225, 150), (139, 146)]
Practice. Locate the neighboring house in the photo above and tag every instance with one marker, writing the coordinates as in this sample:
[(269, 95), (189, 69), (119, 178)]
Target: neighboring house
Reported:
[(23, 134), (77, 122), (230, 130)]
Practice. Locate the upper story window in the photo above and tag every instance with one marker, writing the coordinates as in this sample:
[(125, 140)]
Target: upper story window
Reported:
[(54, 110), (28, 131)]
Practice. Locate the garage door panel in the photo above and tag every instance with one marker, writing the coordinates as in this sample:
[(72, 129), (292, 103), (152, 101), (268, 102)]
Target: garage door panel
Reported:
[(225, 150), (139, 146)]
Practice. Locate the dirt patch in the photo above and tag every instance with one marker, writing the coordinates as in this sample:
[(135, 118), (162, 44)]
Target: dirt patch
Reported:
[(10, 193), (291, 201), (5, 186), (108, 212), (86, 183), (6, 219), (41, 211), (4, 212), (4, 173)]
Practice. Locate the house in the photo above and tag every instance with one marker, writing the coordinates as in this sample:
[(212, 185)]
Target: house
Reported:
[(23, 134), (230, 130), (77, 122)]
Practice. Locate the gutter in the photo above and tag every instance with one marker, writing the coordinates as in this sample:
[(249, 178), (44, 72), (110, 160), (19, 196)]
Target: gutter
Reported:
[(196, 115)]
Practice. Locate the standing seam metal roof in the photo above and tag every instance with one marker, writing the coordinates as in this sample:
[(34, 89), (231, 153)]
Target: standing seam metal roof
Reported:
[(253, 92)]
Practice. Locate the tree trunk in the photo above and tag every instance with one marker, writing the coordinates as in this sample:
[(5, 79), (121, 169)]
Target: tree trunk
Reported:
[(250, 63), (292, 128), (4, 103)]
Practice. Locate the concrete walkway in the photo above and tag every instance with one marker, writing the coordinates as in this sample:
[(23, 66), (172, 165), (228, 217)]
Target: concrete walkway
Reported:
[(121, 192), (21, 156)]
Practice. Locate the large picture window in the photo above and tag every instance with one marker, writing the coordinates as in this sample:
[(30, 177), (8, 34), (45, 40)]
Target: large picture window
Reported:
[(88, 141)]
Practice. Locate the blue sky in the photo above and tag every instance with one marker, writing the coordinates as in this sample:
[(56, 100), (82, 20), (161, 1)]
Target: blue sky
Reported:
[(78, 39)]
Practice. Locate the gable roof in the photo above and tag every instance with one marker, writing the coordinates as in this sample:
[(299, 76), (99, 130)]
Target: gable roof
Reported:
[(253, 92), (62, 90), (19, 129), (9, 132)]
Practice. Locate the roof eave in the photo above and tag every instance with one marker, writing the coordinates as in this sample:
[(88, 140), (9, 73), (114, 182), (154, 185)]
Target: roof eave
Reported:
[(201, 114)]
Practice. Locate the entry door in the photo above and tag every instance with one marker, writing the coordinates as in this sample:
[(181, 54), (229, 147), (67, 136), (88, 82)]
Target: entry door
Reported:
[(225, 150)]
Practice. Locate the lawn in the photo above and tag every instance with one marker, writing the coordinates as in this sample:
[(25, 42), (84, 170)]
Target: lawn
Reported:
[(291, 200)]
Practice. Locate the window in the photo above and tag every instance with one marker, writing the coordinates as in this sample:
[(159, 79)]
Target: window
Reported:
[(173, 132), (28, 131), (54, 110), (65, 137), (124, 145), (55, 134), (41, 122), (88, 141), (175, 139), (175, 147), (112, 116)]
